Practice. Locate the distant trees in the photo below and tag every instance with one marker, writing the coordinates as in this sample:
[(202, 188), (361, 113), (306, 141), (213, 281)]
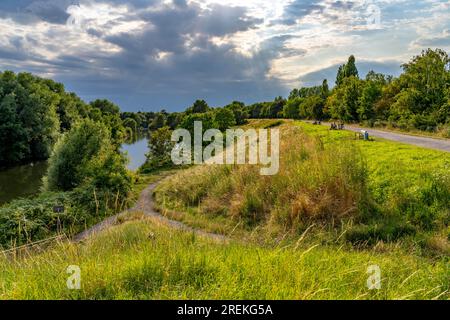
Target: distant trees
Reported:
[(343, 101), (158, 122), (418, 99), (224, 118), (240, 112), (199, 106), (291, 109)]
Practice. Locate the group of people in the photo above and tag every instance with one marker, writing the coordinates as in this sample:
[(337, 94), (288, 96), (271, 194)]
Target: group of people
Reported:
[(335, 126)]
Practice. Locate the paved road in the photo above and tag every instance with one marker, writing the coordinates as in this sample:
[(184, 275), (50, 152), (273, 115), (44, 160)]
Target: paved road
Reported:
[(425, 142)]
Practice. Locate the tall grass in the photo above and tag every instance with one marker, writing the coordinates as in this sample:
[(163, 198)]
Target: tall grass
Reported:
[(382, 190), (314, 184), (147, 260)]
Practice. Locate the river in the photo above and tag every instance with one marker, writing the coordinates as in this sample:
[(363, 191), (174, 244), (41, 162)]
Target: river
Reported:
[(25, 181)]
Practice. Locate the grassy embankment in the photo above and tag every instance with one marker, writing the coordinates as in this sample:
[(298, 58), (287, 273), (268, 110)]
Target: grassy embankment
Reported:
[(347, 192), (146, 260), (365, 192)]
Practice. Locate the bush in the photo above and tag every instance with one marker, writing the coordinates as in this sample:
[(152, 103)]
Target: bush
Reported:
[(23, 221), (160, 146), (86, 156)]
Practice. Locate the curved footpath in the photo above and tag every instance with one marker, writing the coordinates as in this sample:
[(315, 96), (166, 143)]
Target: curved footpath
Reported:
[(145, 205)]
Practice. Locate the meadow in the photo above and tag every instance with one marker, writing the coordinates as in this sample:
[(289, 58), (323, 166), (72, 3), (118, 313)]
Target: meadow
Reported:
[(144, 259), (337, 207), (373, 191)]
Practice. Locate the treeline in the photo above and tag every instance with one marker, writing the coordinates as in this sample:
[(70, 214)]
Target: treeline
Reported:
[(34, 112), (160, 146), (418, 99)]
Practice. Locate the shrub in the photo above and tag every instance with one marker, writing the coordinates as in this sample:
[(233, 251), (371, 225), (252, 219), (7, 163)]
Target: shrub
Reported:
[(86, 156), (160, 146), (23, 221)]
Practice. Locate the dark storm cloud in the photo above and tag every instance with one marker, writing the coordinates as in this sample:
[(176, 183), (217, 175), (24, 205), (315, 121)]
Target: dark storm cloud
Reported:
[(29, 11), (171, 61), (299, 9)]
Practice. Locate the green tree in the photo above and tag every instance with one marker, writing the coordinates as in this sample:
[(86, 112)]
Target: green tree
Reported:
[(224, 119), (347, 70), (13, 137), (240, 113), (160, 146), (350, 69), (429, 75), (325, 90), (340, 75), (131, 124), (158, 122), (109, 114), (291, 110), (86, 155), (343, 102), (199, 106), (313, 107)]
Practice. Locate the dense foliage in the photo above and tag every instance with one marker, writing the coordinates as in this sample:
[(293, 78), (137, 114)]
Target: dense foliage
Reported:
[(86, 155), (34, 112), (419, 99), (86, 175)]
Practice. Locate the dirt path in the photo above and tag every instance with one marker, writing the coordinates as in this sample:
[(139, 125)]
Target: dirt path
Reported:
[(425, 142), (145, 205)]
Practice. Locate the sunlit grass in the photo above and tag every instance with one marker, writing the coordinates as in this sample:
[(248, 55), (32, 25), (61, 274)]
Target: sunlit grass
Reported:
[(147, 260)]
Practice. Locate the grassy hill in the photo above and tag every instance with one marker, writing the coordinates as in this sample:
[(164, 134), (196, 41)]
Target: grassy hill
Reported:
[(338, 206), (145, 259)]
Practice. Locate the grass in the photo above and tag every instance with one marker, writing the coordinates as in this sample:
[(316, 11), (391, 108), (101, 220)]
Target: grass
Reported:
[(385, 190), (404, 179), (281, 244), (144, 259)]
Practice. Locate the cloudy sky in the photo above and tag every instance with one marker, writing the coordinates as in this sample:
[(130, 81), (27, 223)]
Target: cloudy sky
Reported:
[(153, 54)]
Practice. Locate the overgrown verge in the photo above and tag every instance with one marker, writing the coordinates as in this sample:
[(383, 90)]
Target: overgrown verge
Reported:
[(148, 260), (314, 185), (326, 179)]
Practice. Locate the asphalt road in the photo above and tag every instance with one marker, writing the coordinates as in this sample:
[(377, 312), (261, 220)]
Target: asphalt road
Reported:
[(425, 142)]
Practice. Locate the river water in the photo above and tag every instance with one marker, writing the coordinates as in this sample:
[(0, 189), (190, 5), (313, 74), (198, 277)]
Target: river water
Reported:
[(25, 181)]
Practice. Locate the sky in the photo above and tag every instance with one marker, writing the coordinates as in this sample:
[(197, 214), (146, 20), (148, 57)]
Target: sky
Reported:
[(148, 55)]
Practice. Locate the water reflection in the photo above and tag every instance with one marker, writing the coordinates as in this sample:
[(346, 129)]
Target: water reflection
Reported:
[(136, 149), (22, 181), (25, 181)]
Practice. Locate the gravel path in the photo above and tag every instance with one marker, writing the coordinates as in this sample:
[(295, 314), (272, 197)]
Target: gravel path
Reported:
[(425, 142), (145, 205)]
